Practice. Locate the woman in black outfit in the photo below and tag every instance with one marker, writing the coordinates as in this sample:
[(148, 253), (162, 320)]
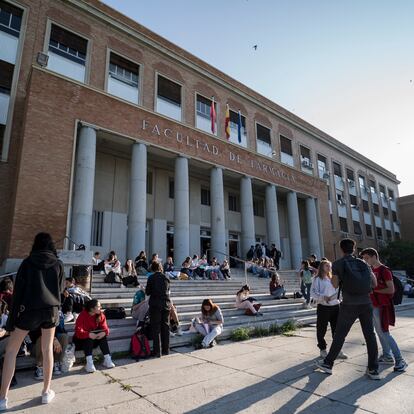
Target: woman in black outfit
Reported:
[(158, 289), (36, 300)]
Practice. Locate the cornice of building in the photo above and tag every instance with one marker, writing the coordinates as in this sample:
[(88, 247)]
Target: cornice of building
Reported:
[(159, 44)]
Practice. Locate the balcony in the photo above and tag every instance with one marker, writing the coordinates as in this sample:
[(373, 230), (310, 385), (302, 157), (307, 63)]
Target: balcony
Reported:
[(168, 108), (286, 159), (339, 183), (367, 218)]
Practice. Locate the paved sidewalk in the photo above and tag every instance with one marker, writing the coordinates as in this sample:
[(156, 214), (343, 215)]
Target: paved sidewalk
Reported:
[(269, 375)]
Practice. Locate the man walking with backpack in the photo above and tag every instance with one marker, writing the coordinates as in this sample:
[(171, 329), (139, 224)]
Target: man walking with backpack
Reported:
[(356, 280), (384, 312)]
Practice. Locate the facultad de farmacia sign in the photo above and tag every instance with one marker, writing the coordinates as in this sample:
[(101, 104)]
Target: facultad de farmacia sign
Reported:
[(219, 150)]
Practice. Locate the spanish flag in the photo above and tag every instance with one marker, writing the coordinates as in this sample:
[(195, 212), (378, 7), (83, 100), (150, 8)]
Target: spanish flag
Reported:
[(227, 122), (213, 116)]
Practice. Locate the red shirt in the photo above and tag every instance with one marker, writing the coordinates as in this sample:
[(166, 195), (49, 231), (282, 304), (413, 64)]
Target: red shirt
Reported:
[(383, 275), (87, 323)]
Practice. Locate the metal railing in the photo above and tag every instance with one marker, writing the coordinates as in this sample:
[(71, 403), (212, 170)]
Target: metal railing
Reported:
[(231, 257)]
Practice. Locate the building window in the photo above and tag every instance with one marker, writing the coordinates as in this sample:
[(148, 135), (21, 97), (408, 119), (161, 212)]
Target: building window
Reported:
[(350, 176), (123, 78), (10, 19), (376, 209), (286, 151), (397, 236), (97, 228), (368, 230), (382, 192), (372, 187), (353, 200), (365, 206), (343, 224), (264, 144), (67, 53), (379, 232), (322, 167), (394, 216), (171, 188), (234, 129), (2, 129), (385, 212), (357, 227), (205, 197), (149, 182), (305, 159), (391, 194), (337, 169), (258, 207), (6, 79), (389, 235), (169, 98), (203, 120), (234, 204)]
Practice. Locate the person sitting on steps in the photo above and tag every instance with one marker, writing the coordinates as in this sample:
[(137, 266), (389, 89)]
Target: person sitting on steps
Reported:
[(276, 287), (209, 323), (91, 331), (129, 274), (249, 304)]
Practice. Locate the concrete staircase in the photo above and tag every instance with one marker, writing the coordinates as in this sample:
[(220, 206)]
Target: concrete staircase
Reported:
[(187, 296)]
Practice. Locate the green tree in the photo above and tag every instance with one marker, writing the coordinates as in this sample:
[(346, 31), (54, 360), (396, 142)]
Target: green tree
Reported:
[(399, 255)]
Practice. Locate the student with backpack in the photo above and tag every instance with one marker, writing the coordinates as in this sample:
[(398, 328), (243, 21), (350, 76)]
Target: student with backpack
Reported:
[(356, 281), (384, 312), (158, 289), (306, 275)]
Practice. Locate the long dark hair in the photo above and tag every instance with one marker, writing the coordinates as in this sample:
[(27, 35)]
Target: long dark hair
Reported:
[(244, 287), (89, 305), (213, 307), (43, 241), (305, 265)]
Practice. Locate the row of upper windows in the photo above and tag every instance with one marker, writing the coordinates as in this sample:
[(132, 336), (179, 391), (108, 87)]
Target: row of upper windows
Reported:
[(123, 80)]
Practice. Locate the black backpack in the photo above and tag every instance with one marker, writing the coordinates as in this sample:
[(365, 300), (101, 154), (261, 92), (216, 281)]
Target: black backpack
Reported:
[(115, 313), (398, 286), (112, 277), (357, 277)]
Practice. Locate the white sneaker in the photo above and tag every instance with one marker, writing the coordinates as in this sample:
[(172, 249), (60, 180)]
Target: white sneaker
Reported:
[(341, 355), (90, 367), (179, 331), (69, 317), (47, 397), (108, 362), (3, 404), (323, 353), (75, 316)]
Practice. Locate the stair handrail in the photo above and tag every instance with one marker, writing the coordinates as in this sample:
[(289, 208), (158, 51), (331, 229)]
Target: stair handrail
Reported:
[(75, 245), (232, 257)]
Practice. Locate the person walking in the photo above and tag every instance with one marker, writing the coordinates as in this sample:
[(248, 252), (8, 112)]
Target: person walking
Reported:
[(158, 289), (384, 312), (36, 299), (356, 281), (326, 296), (306, 276)]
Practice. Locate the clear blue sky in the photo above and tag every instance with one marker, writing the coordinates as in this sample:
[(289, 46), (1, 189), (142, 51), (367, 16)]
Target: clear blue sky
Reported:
[(344, 66)]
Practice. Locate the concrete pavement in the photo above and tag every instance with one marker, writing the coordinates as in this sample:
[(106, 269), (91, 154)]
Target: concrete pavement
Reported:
[(266, 375)]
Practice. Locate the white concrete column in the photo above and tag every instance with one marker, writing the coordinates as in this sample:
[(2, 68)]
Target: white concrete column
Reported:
[(218, 228), (83, 187), (272, 217), (137, 212), (294, 230), (247, 217), (313, 227), (181, 211)]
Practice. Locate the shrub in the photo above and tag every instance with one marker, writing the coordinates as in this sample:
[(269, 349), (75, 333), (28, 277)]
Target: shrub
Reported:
[(240, 334)]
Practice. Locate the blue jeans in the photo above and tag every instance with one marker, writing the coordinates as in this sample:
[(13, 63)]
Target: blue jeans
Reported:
[(305, 288), (389, 346)]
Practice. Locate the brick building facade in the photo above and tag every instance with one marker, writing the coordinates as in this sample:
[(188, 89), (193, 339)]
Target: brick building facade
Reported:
[(109, 142)]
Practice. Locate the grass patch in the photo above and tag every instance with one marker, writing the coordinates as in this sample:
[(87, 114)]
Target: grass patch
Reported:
[(243, 333), (240, 334)]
